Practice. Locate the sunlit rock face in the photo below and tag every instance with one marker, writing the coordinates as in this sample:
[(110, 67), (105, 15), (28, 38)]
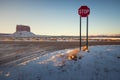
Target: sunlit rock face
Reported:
[(22, 28)]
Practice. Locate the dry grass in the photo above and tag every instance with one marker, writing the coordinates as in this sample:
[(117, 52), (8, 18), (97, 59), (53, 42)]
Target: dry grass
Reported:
[(36, 46)]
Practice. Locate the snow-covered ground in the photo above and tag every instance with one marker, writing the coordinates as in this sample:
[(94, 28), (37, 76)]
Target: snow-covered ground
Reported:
[(23, 34), (101, 63)]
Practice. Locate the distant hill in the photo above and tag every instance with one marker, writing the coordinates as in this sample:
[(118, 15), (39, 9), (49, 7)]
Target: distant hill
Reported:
[(32, 34)]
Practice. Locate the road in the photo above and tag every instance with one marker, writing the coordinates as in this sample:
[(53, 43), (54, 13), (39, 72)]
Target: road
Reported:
[(21, 51)]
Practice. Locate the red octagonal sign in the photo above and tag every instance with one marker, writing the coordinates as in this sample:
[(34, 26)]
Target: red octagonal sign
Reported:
[(84, 11)]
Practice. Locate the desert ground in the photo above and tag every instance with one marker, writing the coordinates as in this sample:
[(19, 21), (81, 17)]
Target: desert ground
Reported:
[(11, 51)]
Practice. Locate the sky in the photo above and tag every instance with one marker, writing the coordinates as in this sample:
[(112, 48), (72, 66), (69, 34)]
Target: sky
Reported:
[(60, 17)]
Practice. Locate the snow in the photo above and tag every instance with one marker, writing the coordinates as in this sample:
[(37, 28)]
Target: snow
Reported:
[(23, 34), (101, 63)]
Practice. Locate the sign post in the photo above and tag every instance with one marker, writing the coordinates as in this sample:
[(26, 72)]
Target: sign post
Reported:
[(80, 32), (84, 11)]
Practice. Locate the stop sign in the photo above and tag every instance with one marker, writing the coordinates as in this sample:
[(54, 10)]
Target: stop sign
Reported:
[(84, 11)]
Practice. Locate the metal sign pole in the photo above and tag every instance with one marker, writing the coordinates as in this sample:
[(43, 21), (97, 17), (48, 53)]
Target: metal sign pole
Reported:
[(87, 34), (80, 32), (84, 11)]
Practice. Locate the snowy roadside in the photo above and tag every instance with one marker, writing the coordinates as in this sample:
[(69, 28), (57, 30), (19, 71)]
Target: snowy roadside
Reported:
[(101, 63)]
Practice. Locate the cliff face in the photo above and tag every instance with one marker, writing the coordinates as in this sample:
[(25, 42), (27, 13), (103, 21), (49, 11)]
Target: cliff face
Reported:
[(22, 28), (23, 31)]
